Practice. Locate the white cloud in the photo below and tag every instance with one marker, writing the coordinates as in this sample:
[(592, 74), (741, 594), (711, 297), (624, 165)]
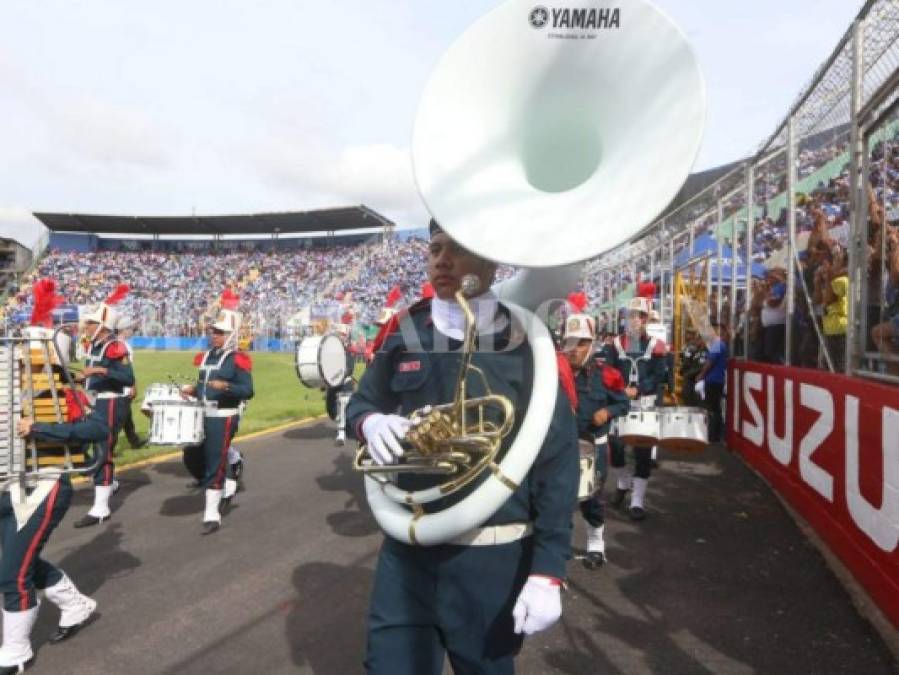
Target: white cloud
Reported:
[(111, 134), (18, 224), (378, 174)]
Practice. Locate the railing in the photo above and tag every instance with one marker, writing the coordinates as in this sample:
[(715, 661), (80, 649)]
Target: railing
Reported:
[(814, 205)]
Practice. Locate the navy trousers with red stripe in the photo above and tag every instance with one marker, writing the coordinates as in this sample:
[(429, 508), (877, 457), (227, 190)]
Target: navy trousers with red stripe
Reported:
[(113, 411), (22, 570), (219, 432)]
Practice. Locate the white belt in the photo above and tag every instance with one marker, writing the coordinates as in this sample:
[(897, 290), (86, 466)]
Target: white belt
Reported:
[(212, 410), (107, 394), (494, 535), (601, 440)]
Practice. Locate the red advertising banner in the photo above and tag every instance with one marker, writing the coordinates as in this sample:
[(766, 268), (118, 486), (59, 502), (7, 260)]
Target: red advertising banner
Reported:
[(828, 444)]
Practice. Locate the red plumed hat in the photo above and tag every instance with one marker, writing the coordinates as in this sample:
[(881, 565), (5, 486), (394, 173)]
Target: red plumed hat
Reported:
[(393, 297), (230, 300), (578, 302), (117, 295), (45, 301)]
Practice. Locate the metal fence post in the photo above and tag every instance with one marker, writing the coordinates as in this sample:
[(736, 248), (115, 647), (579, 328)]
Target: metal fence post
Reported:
[(791, 237), (857, 325), (732, 318), (750, 233), (719, 240), (671, 297)]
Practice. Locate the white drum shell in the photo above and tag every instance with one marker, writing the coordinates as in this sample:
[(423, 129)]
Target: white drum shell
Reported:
[(160, 392), (639, 427), (321, 361), (684, 429), (177, 423)]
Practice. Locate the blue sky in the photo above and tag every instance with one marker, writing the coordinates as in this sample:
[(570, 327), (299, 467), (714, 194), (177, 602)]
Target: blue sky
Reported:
[(217, 106)]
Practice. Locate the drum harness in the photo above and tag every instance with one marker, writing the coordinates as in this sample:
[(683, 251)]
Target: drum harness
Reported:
[(211, 408), (91, 361), (633, 375)]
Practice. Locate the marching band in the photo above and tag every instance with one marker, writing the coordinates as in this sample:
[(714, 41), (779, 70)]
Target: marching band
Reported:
[(479, 435)]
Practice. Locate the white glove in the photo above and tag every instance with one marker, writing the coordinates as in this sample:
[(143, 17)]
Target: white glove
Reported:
[(539, 605), (383, 434), (700, 389)]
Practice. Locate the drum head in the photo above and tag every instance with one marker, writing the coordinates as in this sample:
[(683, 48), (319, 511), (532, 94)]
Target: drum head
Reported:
[(332, 360)]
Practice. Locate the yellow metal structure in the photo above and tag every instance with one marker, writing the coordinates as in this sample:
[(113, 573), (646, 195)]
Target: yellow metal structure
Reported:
[(691, 312)]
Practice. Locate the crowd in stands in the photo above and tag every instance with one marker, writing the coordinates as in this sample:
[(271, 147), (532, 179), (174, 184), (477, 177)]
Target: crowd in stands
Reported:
[(172, 290), (821, 300)]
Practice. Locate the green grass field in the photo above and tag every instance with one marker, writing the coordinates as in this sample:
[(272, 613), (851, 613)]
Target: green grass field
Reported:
[(280, 396)]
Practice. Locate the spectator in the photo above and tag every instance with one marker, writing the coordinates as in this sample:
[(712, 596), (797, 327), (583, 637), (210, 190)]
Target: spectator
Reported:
[(774, 318), (714, 375)]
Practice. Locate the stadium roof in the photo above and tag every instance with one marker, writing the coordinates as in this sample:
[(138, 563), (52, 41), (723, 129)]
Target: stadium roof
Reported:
[(324, 220)]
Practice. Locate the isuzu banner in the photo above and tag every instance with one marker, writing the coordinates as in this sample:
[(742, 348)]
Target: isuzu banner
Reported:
[(829, 445)]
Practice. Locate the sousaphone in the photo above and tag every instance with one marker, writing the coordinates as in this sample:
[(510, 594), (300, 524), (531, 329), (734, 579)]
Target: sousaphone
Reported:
[(546, 135)]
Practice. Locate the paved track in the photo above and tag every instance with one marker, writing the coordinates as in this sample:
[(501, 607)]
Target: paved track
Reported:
[(717, 580)]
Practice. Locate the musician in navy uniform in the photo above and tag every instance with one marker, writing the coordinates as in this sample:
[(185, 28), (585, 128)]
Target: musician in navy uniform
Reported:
[(224, 383), (600, 398), (641, 360), (107, 377), (476, 597), (27, 519), (124, 331)]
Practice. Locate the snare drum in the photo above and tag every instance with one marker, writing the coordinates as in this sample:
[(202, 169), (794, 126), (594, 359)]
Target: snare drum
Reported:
[(684, 429), (321, 361), (159, 392), (640, 427), (588, 484), (177, 423)]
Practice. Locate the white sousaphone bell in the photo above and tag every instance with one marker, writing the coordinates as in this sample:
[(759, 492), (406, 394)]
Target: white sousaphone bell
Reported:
[(543, 138)]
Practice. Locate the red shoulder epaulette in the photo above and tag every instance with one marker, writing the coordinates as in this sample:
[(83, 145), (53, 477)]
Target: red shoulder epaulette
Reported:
[(611, 378), (394, 323), (566, 379), (390, 327), (116, 350), (243, 361), (198, 359)]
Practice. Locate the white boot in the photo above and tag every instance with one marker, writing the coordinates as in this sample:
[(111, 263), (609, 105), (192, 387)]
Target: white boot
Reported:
[(100, 509), (596, 548), (75, 607), (230, 488), (595, 541), (637, 512), (212, 518), (16, 649), (341, 437)]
